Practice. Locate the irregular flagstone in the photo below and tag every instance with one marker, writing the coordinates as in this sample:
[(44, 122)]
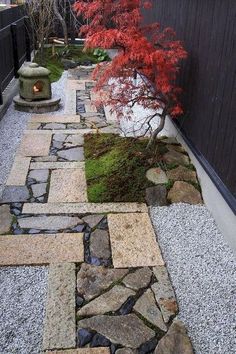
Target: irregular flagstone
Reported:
[(49, 222), (182, 173), (45, 159), (139, 279), (109, 302), (92, 280), (83, 208), (82, 351), (156, 176), (60, 326), (176, 341), (75, 140), (127, 330), (39, 189), (39, 175), (54, 126), (12, 194), (41, 249), (93, 220), (55, 165), (147, 307), (73, 154), (156, 195), (176, 157), (164, 293), (60, 118), (68, 186), (19, 171), (100, 244), (133, 241), (183, 192), (5, 219), (125, 351), (35, 145)]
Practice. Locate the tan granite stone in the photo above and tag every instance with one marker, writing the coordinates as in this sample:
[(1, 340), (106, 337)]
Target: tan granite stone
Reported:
[(5, 219), (183, 192), (33, 126), (68, 186), (133, 241), (59, 323), (19, 171), (62, 118), (56, 165), (83, 208), (182, 173), (176, 157), (139, 279), (35, 145), (41, 249), (81, 351)]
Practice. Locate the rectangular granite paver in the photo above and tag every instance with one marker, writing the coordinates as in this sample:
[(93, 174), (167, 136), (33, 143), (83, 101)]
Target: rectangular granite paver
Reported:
[(59, 324), (41, 249), (133, 241), (34, 144), (81, 351), (56, 165), (19, 171), (68, 186), (83, 208), (47, 118)]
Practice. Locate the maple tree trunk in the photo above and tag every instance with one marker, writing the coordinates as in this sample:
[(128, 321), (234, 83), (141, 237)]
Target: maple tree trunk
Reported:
[(157, 130), (62, 21)]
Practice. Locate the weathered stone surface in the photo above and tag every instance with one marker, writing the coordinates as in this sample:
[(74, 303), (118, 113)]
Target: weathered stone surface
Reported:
[(19, 171), (39, 175), (133, 241), (41, 249), (182, 173), (125, 351), (39, 189), (35, 145), (109, 302), (156, 195), (83, 208), (54, 126), (60, 326), (178, 148), (55, 165), (90, 108), (75, 140), (45, 159), (127, 330), (176, 158), (139, 279), (15, 194), (170, 140), (5, 219), (73, 154), (68, 186), (59, 137), (100, 244), (93, 220), (147, 307), (81, 351), (164, 293), (176, 341), (183, 192), (49, 222), (156, 176), (33, 126), (60, 118), (92, 280)]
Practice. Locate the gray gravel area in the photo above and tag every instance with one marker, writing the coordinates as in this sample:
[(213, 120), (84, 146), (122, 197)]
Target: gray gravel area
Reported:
[(22, 295), (12, 127), (202, 268)]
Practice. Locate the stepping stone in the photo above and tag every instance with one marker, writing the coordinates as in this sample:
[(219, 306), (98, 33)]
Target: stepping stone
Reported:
[(175, 157), (182, 173), (44, 118), (164, 293), (93, 280), (5, 219), (39, 189), (45, 159), (39, 175), (49, 222), (41, 249), (146, 306), (156, 195), (68, 186), (128, 330), (100, 244), (156, 176), (139, 279), (55, 165), (75, 140), (35, 145), (83, 208), (33, 126), (108, 302), (73, 154), (19, 171), (15, 194), (183, 192), (133, 241), (93, 220), (54, 126), (176, 341), (60, 326), (81, 351)]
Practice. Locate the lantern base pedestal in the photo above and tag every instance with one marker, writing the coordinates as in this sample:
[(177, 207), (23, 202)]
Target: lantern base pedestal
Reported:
[(41, 106)]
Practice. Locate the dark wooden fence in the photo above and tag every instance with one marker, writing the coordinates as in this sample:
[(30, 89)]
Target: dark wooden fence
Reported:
[(208, 77)]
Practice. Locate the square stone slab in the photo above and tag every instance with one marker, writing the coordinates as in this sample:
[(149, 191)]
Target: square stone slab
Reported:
[(47, 118), (41, 249), (81, 351), (19, 171), (68, 186), (35, 144), (133, 241)]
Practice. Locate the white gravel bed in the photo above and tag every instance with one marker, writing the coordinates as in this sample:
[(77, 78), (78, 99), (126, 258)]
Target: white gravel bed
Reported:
[(23, 293), (12, 127), (202, 268)]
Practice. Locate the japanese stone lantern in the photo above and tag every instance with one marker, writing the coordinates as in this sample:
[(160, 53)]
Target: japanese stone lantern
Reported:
[(34, 83)]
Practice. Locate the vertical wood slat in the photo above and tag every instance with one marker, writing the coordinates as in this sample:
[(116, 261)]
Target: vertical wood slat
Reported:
[(15, 49)]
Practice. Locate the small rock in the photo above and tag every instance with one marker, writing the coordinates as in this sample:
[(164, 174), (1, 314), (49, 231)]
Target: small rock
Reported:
[(183, 192), (100, 244), (74, 154), (34, 231), (39, 175), (127, 306), (100, 341), (182, 173), (5, 219), (156, 196), (15, 194), (176, 341), (139, 279), (84, 336), (93, 220), (68, 64), (156, 176), (148, 347), (175, 157), (57, 145), (39, 189), (78, 228)]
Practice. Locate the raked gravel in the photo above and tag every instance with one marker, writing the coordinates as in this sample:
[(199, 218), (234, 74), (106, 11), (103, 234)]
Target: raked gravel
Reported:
[(12, 127), (23, 293), (202, 268)]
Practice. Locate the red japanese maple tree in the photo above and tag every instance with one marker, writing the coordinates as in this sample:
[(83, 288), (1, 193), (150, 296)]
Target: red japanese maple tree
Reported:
[(145, 68)]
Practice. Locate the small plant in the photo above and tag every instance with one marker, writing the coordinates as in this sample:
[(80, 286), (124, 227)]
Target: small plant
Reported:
[(101, 54)]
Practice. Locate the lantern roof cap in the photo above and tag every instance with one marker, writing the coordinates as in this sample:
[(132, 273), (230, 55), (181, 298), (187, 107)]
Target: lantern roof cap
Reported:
[(34, 70)]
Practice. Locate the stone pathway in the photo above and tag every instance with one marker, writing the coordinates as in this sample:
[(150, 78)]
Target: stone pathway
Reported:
[(108, 287)]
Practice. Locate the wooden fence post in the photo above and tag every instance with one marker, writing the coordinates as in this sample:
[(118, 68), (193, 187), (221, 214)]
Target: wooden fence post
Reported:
[(15, 49), (27, 39)]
